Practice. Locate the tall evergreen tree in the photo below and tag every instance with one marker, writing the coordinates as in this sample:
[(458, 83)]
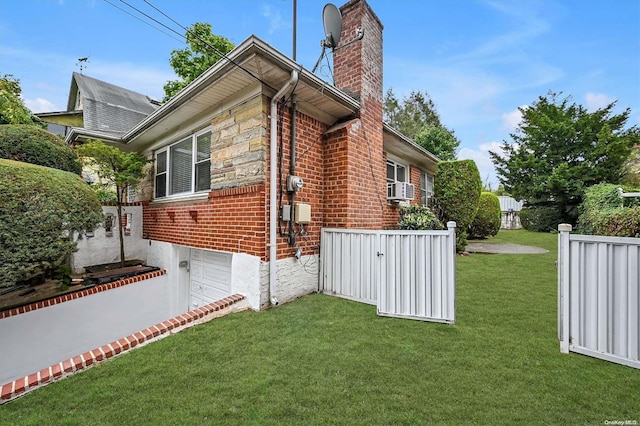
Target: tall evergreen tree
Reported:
[(560, 149)]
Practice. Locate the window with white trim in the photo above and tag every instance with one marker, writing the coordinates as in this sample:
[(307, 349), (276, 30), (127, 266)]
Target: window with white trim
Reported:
[(426, 188), (184, 167), (396, 172)]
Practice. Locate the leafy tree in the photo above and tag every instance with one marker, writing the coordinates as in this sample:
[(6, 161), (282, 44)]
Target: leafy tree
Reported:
[(438, 140), (123, 170), (559, 149), (203, 50), (40, 209), (412, 114), (416, 117), (12, 110)]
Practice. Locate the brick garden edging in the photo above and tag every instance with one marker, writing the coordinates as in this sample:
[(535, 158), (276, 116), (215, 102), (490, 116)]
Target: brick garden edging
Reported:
[(81, 293), (19, 387)]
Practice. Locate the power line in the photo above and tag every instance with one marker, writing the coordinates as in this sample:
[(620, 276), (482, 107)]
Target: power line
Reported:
[(144, 22), (187, 31)]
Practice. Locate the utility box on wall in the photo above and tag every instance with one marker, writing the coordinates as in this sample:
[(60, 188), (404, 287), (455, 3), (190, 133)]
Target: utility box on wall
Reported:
[(302, 213)]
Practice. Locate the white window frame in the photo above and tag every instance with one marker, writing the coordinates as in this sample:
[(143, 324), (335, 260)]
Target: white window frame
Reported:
[(166, 150), (426, 187), (391, 161)]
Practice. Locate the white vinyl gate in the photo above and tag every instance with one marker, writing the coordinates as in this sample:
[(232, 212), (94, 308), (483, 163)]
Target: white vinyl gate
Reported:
[(407, 274), (599, 296)]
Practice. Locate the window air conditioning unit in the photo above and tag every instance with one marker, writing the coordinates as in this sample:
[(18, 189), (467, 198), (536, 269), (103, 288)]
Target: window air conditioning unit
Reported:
[(401, 191)]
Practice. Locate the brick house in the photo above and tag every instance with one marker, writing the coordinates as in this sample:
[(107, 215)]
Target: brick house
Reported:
[(226, 210)]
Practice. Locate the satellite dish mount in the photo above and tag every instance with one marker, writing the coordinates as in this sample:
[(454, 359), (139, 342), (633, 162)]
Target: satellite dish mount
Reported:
[(332, 21)]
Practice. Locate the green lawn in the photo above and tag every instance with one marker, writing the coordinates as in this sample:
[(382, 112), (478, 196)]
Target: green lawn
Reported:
[(324, 360)]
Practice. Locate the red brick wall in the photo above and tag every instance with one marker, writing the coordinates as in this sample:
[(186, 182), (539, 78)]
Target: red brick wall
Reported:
[(232, 220), (309, 167)]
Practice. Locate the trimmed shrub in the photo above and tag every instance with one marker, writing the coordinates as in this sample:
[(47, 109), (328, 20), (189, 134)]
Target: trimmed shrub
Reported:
[(618, 222), (31, 144), (489, 217), (457, 189), (40, 209), (603, 212), (540, 218), (417, 217)]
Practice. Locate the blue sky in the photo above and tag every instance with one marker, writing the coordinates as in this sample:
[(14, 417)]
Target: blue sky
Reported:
[(479, 60)]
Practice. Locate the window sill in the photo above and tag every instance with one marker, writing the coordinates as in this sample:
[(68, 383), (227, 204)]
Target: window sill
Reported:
[(200, 196)]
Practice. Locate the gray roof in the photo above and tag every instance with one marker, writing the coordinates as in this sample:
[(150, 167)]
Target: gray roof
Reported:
[(107, 107)]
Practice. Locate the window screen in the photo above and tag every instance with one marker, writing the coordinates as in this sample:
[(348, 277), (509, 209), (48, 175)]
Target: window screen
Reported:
[(203, 162), (180, 163), (161, 174)]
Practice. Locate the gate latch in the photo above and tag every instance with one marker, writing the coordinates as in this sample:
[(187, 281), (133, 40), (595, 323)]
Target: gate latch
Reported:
[(380, 254)]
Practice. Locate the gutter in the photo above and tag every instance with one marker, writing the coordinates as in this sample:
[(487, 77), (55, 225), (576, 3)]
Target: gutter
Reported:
[(273, 242)]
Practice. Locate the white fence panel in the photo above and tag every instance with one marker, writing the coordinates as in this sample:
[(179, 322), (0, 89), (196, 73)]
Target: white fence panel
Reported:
[(417, 278), (599, 297), (349, 260), (409, 274)]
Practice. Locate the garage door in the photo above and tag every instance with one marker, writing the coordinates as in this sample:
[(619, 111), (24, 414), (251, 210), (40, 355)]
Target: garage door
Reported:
[(210, 277)]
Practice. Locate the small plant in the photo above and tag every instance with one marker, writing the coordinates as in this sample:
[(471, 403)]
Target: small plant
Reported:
[(417, 217), (63, 274)]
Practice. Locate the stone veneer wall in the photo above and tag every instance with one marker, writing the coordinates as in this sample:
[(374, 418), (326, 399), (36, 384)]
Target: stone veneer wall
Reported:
[(239, 145)]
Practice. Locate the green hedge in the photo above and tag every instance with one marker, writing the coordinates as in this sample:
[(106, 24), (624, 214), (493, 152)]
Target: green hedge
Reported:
[(540, 218), (603, 212), (40, 208), (417, 217), (31, 144), (457, 190), (489, 217)]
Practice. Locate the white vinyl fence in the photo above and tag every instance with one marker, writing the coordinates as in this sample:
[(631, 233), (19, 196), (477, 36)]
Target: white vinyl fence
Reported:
[(599, 296), (407, 274)]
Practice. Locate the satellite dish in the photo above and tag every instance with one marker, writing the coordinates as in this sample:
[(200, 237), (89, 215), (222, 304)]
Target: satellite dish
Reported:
[(332, 21)]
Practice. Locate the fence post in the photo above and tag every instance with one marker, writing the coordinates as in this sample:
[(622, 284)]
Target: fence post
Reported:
[(451, 273), (563, 286)]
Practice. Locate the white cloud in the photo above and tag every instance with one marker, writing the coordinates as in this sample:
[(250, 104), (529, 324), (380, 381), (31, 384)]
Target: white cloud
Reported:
[(276, 22), (511, 120), (40, 105), (596, 101), (483, 161)]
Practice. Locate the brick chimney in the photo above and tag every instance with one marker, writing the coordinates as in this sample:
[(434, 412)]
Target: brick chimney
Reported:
[(354, 161), (358, 66)]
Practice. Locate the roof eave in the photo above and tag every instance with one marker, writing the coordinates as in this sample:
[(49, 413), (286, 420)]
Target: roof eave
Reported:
[(250, 46), (405, 139)]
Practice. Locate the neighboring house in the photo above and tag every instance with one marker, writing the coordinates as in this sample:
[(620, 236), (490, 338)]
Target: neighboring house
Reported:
[(226, 210), (510, 212), (98, 110)]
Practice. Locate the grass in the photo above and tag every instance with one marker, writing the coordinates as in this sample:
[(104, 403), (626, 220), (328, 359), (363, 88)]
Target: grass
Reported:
[(324, 360)]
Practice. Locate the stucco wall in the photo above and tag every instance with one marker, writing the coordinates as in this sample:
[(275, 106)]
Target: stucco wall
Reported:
[(49, 335), (100, 248)]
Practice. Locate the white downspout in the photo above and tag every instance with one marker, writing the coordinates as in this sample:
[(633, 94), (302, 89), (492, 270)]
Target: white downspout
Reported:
[(273, 224)]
